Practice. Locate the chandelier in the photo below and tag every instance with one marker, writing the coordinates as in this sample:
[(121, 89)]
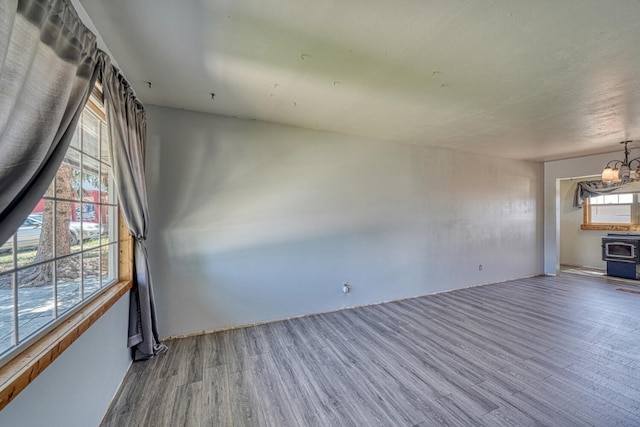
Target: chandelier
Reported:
[(619, 171)]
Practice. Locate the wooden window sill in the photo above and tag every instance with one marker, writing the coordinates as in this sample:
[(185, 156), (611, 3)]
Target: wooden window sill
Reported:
[(17, 374), (610, 227)]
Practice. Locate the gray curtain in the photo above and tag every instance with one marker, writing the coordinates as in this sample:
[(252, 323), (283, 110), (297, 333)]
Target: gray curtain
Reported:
[(48, 66), (586, 189), (127, 125), (49, 63)]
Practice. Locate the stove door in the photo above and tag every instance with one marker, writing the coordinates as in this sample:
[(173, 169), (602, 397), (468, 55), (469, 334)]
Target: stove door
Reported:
[(620, 251)]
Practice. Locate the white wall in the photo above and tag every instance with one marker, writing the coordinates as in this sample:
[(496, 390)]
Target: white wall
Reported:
[(553, 172), (77, 388), (577, 247), (254, 222)]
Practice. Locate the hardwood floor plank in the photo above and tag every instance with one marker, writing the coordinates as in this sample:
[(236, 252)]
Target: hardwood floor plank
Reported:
[(617, 400), (455, 366), (457, 414), (256, 340), (375, 388), (215, 399), (530, 407), (307, 331), (506, 413), (274, 398), (608, 403), (157, 399), (590, 407), (212, 350), (241, 399), (621, 384), (191, 368), (545, 409), (275, 336), (187, 408), (234, 350), (418, 364), (318, 384), (539, 351), (168, 364), (127, 401)]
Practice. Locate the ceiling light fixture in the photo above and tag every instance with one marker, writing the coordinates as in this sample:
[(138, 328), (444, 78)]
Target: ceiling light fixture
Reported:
[(618, 171)]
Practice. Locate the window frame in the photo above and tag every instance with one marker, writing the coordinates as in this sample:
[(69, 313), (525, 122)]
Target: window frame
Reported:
[(587, 223), (23, 364), (23, 369)]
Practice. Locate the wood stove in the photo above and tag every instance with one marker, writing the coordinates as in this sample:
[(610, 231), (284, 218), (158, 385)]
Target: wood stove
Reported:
[(622, 253)]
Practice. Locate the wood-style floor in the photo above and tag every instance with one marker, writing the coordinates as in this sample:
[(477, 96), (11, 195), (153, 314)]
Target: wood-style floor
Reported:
[(557, 351)]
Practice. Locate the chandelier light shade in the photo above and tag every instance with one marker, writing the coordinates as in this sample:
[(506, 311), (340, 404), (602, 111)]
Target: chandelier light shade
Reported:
[(607, 174), (616, 176), (619, 171)]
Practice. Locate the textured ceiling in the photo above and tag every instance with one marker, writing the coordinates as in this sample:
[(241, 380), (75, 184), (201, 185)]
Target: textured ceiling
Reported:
[(534, 80)]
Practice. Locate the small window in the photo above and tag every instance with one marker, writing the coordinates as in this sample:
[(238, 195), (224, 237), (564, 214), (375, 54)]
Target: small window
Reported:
[(611, 214), (612, 199), (611, 209)]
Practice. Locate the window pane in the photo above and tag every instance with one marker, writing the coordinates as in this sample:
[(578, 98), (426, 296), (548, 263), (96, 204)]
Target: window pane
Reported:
[(109, 264), (90, 177), (90, 197), (69, 282), (598, 200), (75, 140), (6, 256), (111, 231), (625, 198), (50, 192), (616, 214), (103, 224), (6, 312), (91, 271), (104, 145), (31, 240), (35, 299), (610, 198), (88, 212), (105, 186), (67, 231), (91, 134), (68, 179)]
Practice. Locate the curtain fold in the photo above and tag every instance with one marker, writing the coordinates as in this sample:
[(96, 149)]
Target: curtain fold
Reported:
[(49, 62), (585, 189), (48, 66), (127, 126)]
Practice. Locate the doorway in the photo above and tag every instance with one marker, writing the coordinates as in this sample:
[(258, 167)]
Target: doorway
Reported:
[(580, 250)]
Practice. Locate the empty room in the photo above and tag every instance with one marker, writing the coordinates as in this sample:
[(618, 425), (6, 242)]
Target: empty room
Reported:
[(319, 213)]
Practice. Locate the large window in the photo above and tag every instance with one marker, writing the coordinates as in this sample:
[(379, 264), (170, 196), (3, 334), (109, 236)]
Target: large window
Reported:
[(66, 250)]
